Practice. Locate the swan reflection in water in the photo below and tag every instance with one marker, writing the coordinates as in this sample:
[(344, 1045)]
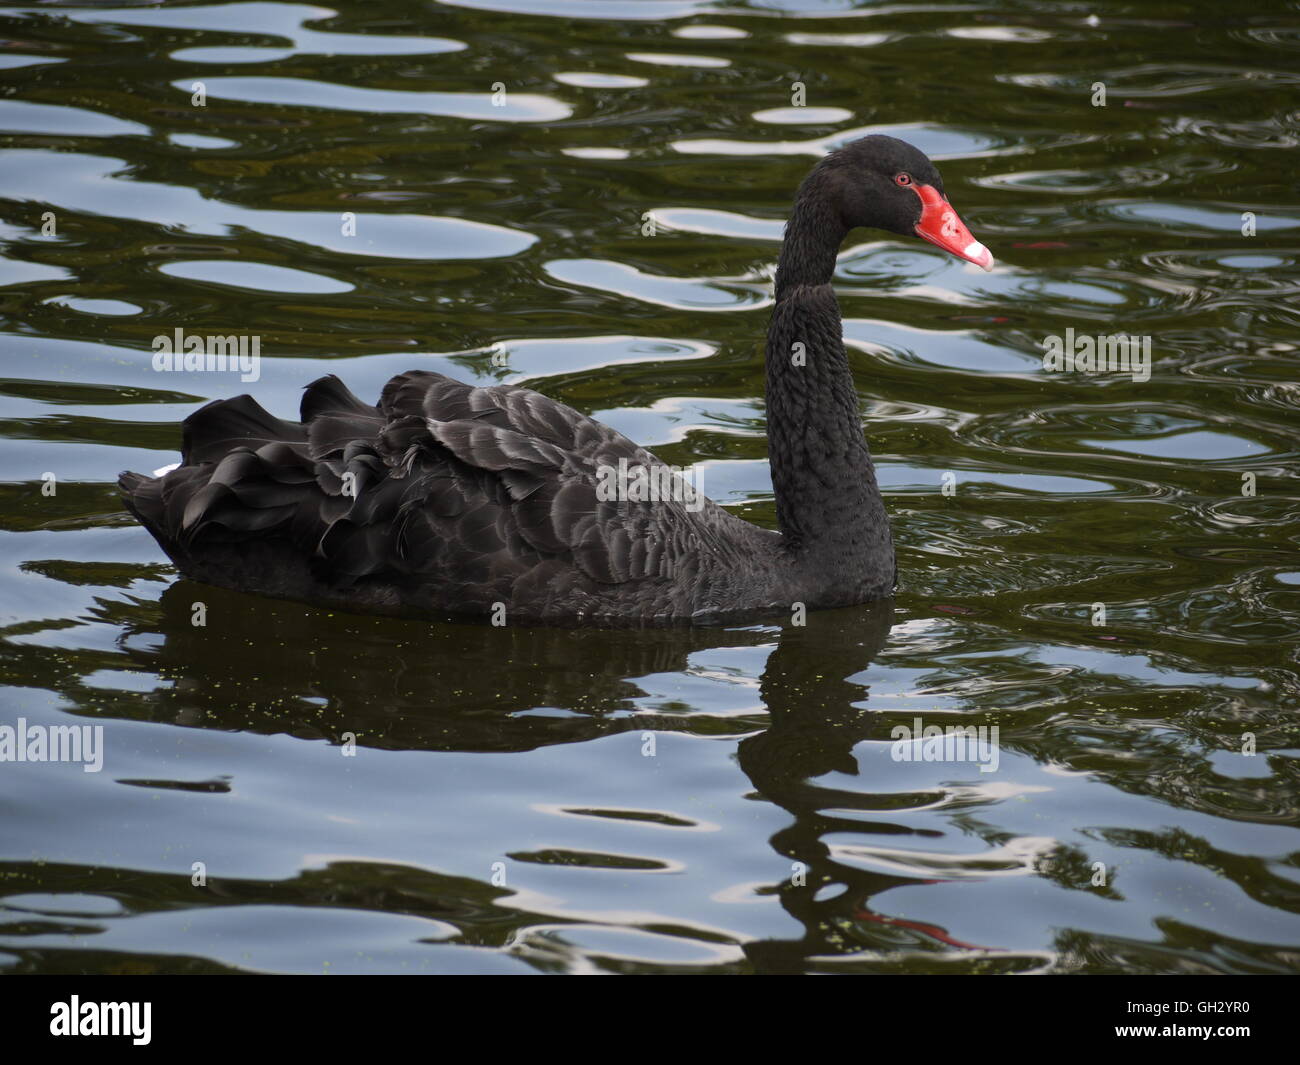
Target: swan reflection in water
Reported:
[(282, 668)]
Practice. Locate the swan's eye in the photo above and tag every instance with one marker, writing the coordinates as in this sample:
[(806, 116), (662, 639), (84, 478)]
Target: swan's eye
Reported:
[(902, 179)]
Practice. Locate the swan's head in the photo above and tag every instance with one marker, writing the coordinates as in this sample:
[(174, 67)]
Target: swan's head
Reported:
[(884, 183)]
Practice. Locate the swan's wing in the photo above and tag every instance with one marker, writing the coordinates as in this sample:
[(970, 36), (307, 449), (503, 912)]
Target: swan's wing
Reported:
[(486, 489)]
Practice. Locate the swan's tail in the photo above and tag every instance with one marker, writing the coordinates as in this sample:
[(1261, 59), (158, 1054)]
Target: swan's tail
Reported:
[(143, 498), (245, 473)]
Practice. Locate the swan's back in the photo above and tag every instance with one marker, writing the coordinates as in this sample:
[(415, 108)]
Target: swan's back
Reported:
[(446, 498)]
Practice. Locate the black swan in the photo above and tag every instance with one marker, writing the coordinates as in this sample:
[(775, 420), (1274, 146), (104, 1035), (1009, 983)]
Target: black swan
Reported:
[(449, 498)]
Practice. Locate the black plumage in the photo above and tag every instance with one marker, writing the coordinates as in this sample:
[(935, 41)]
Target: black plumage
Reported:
[(451, 498)]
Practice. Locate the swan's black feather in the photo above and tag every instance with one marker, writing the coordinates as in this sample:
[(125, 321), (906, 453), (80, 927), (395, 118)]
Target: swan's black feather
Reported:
[(444, 497), (212, 431)]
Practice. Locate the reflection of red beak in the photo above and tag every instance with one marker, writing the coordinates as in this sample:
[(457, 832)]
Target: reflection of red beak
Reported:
[(940, 225)]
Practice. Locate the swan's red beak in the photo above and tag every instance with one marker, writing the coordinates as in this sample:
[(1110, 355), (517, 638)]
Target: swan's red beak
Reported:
[(940, 225)]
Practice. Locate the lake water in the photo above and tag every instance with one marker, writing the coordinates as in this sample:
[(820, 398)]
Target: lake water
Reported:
[(588, 198)]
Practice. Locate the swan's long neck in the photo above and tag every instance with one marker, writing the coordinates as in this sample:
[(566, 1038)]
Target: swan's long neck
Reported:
[(827, 502)]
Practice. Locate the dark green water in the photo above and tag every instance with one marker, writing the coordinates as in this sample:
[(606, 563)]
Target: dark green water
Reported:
[(718, 800)]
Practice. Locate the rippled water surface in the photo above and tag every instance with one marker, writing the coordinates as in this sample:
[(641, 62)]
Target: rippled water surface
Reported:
[(588, 197)]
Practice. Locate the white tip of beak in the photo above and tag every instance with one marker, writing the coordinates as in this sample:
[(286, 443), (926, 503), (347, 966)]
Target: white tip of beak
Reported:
[(979, 255)]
